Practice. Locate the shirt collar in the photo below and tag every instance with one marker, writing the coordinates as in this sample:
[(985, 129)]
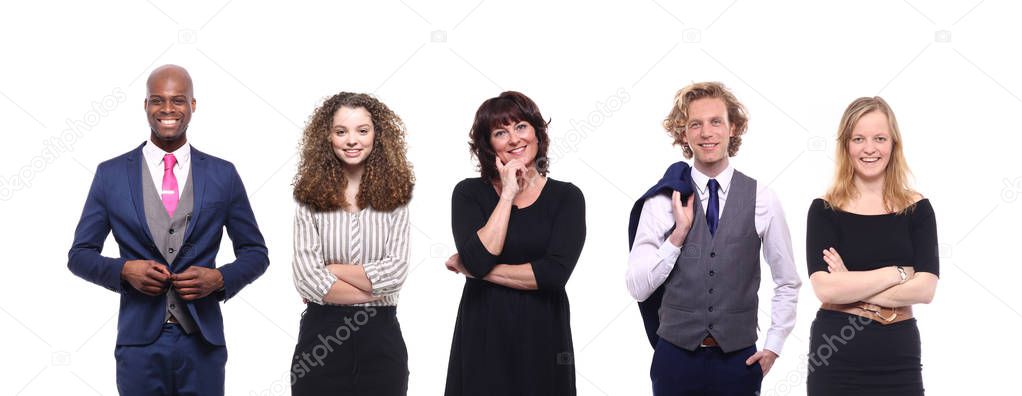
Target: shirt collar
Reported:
[(724, 178), (154, 155)]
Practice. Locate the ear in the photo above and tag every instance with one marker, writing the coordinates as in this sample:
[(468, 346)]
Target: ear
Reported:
[(145, 102), (193, 105)]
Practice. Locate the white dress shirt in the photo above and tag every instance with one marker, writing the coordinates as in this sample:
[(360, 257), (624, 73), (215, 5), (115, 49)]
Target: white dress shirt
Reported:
[(653, 256), (154, 160)]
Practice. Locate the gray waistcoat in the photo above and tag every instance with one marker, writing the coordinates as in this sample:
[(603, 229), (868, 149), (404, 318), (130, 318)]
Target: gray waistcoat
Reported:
[(714, 284), (168, 234)]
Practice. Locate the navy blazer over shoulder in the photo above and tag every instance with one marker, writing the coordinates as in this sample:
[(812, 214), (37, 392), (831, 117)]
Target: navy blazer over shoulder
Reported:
[(678, 177)]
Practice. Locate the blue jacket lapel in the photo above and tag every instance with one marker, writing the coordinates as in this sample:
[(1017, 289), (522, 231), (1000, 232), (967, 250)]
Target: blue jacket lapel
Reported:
[(199, 174), (135, 162)]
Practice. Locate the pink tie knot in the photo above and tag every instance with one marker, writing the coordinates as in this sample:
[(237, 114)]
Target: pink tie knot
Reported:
[(169, 161)]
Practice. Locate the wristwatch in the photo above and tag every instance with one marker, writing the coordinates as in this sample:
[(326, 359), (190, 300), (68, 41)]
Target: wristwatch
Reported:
[(902, 274)]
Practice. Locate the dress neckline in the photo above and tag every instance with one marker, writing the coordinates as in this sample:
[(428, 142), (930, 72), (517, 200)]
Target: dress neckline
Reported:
[(542, 190), (838, 210)]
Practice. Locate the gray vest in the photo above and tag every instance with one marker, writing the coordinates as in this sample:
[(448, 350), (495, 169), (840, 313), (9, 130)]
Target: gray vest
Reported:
[(168, 234), (713, 288)]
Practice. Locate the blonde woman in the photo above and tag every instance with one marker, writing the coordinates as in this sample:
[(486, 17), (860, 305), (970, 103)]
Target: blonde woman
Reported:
[(871, 249)]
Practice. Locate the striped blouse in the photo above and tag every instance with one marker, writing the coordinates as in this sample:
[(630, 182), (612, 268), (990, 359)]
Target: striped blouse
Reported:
[(376, 240)]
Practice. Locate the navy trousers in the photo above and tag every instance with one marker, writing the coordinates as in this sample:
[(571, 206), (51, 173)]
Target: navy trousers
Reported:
[(175, 364), (705, 371)]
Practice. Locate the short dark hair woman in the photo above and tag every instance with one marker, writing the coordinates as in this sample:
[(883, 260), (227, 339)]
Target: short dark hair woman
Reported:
[(518, 235)]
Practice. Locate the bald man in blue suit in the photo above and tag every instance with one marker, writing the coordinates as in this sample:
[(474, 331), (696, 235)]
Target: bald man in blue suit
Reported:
[(170, 336)]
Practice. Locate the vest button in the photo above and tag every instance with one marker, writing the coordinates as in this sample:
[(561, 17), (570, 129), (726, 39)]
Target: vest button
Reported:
[(713, 254), (710, 308), (710, 326), (172, 306), (171, 231), (712, 273), (171, 250), (711, 290)]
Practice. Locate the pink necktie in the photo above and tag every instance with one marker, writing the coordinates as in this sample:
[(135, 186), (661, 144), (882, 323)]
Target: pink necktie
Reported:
[(169, 193)]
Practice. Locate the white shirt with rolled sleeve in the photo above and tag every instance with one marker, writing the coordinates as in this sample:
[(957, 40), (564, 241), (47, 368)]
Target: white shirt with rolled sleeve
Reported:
[(653, 256)]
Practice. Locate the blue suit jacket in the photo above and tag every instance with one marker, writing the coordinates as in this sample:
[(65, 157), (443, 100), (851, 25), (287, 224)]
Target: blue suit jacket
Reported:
[(678, 177), (115, 204)]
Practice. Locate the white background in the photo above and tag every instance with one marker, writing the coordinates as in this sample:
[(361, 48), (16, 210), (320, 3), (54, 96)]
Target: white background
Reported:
[(604, 72)]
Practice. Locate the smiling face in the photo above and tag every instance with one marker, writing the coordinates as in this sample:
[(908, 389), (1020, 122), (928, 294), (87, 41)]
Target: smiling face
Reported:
[(169, 105), (870, 145), (352, 134), (708, 132), (515, 140)]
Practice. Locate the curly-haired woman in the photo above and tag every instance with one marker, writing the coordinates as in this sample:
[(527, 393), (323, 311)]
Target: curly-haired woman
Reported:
[(518, 235), (351, 249)]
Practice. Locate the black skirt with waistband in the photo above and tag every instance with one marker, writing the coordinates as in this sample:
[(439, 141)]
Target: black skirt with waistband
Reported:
[(347, 350), (852, 355)]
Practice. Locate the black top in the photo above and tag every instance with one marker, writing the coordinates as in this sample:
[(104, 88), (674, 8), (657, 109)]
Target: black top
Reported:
[(868, 242), (509, 341)]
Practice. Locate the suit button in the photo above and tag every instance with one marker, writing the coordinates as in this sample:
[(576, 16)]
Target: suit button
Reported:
[(171, 231), (171, 250), (711, 290), (713, 254), (710, 326), (712, 273), (710, 309)]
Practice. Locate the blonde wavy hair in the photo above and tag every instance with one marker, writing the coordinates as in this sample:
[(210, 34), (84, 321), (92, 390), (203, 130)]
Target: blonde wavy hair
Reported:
[(898, 195), (388, 179), (677, 120)]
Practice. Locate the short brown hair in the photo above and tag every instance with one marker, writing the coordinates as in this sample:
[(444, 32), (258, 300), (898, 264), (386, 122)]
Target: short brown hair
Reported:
[(508, 108)]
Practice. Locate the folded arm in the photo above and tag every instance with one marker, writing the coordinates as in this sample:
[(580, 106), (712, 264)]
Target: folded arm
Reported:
[(343, 293), (852, 286), (917, 290), (515, 276), (920, 288)]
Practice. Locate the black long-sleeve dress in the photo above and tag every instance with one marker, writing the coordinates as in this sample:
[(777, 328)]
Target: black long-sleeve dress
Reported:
[(509, 341), (845, 356)]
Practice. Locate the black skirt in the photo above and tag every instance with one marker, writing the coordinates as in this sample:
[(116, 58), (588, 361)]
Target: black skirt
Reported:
[(852, 355), (345, 350)]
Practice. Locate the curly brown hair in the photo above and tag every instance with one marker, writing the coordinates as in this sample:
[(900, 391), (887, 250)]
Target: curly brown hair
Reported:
[(737, 116), (388, 179), (508, 108)]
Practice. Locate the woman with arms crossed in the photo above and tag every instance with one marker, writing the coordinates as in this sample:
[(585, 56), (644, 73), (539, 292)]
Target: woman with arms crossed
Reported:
[(518, 235), (871, 248), (351, 249)]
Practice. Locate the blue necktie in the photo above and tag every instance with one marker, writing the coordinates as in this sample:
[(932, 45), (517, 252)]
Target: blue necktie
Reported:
[(712, 211)]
